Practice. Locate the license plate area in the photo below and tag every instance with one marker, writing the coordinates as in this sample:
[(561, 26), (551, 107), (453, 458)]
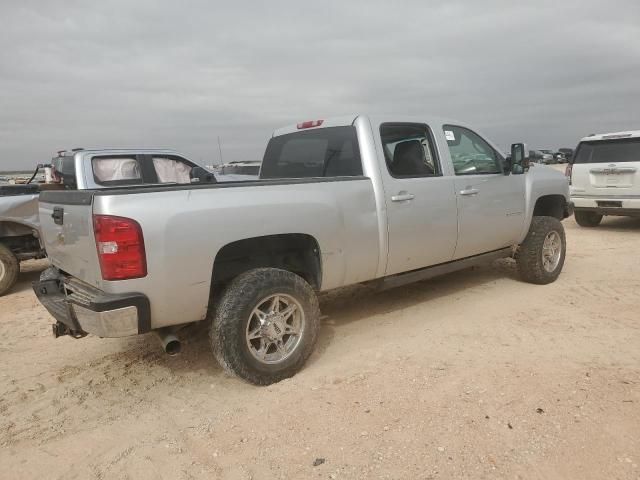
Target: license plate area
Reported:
[(609, 204)]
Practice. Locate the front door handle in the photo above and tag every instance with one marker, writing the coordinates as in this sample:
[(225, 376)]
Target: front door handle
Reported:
[(402, 197), (469, 191)]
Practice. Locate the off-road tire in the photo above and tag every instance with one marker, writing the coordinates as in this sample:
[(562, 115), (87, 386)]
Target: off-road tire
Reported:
[(228, 322), (8, 270), (587, 219), (529, 253)]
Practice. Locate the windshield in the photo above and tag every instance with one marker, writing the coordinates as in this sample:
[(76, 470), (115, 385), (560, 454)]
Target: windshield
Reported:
[(609, 151)]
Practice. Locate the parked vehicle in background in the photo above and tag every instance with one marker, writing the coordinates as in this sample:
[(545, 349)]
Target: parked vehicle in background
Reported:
[(563, 155), (238, 171), (567, 152), (548, 157), (19, 231), (80, 169), (538, 156), (559, 157), (384, 200), (88, 169), (605, 177)]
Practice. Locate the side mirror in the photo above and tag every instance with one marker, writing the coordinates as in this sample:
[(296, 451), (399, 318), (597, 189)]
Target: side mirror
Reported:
[(519, 161), (200, 175)]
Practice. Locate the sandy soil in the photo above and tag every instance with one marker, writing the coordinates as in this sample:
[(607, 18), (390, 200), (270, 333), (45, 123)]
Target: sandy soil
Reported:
[(473, 375)]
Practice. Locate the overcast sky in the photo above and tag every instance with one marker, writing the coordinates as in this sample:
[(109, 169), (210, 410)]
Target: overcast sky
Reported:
[(178, 75)]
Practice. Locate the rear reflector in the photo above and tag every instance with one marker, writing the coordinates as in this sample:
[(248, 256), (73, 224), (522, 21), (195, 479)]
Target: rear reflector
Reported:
[(310, 124), (120, 247)]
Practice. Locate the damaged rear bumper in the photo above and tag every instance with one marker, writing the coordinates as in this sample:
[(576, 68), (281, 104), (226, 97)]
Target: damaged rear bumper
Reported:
[(80, 308)]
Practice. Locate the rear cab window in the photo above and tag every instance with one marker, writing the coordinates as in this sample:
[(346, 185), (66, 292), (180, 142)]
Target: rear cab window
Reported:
[(321, 152), (65, 170), (608, 151)]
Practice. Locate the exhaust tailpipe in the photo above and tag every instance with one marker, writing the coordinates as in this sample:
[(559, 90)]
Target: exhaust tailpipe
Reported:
[(170, 343)]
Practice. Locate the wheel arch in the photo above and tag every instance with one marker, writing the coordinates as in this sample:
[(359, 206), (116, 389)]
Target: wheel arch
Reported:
[(298, 253), (22, 239), (550, 206), (10, 228)]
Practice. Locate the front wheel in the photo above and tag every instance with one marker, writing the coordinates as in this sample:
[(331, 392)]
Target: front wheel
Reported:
[(265, 325), (9, 269), (541, 256), (587, 219)]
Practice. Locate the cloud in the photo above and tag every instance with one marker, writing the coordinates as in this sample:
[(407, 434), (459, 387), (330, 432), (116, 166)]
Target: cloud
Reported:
[(166, 75)]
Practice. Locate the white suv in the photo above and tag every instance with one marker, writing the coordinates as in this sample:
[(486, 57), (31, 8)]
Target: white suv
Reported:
[(605, 177)]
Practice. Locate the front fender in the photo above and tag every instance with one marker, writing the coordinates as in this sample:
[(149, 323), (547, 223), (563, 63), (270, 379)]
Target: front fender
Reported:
[(540, 182)]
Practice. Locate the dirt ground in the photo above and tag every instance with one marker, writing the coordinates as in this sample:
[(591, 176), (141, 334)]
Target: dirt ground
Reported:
[(472, 375)]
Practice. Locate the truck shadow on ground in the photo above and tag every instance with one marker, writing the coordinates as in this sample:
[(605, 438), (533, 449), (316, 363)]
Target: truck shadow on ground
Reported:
[(360, 302), (618, 224), (339, 307)]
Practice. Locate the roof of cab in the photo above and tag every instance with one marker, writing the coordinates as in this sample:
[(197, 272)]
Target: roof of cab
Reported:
[(124, 150), (115, 151), (323, 123), (345, 120), (611, 136)]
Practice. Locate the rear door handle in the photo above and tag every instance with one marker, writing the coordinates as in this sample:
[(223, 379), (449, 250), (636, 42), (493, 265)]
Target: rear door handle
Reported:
[(469, 191), (402, 197)]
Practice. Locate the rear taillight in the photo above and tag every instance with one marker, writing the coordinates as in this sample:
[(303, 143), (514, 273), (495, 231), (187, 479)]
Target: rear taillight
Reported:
[(568, 171), (120, 247)]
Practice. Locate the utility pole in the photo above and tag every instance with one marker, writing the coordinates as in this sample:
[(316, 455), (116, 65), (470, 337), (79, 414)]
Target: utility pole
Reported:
[(220, 150)]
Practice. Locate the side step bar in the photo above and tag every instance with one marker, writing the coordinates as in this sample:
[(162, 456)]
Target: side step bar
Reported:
[(400, 279)]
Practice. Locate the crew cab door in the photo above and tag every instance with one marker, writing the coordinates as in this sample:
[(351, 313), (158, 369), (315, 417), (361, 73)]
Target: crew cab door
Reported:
[(491, 205), (420, 200)]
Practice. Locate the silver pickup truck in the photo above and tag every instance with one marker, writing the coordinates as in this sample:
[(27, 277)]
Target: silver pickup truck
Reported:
[(383, 200)]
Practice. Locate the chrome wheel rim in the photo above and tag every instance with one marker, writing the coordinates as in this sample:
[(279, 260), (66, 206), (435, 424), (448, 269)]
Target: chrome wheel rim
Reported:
[(551, 251), (275, 328), (3, 271)]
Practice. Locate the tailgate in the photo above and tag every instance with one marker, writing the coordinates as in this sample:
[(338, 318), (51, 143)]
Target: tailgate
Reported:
[(66, 221)]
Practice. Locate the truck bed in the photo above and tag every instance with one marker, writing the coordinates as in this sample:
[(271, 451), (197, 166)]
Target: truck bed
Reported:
[(194, 222)]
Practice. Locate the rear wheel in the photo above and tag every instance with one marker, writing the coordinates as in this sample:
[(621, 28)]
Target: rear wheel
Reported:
[(265, 325), (9, 269), (541, 256), (587, 219)]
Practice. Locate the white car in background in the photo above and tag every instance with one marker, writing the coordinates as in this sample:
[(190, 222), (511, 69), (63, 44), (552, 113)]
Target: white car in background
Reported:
[(605, 177)]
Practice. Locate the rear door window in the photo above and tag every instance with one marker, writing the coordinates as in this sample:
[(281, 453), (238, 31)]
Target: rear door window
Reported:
[(609, 151), (323, 152), (171, 170), (114, 170), (409, 150)]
